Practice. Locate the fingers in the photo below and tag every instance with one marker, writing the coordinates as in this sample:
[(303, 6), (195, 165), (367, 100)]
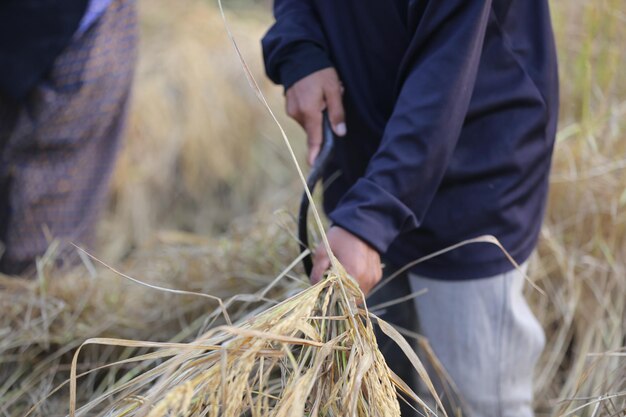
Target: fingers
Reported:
[(364, 272), (369, 281), (305, 105), (321, 263), (360, 261), (305, 101), (334, 104)]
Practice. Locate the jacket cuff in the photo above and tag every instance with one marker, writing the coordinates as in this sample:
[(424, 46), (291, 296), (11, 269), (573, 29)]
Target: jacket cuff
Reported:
[(373, 214), (304, 59)]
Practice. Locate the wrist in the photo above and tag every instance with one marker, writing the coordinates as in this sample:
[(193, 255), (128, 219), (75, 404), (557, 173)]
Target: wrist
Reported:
[(305, 59)]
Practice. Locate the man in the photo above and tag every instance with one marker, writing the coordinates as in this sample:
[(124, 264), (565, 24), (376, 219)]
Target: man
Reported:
[(66, 69), (448, 115)]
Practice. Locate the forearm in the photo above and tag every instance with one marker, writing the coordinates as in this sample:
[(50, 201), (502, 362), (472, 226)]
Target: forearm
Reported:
[(294, 46)]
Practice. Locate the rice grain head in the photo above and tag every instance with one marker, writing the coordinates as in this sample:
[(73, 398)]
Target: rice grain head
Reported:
[(314, 354)]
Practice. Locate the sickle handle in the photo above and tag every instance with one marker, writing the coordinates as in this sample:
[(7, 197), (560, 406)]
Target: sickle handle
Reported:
[(319, 166)]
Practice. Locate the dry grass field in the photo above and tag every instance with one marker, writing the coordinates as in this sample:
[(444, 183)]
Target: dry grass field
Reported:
[(203, 198)]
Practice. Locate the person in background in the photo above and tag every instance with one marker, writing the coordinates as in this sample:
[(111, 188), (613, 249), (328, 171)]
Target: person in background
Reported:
[(66, 70), (447, 112)]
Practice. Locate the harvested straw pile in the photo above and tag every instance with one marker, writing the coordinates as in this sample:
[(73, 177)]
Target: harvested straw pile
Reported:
[(44, 321), (313, 354)]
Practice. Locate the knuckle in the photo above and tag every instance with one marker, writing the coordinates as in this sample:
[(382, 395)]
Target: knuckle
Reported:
[(334, 88), (293, 110), (335, 110), (337, 116), (309, 109)]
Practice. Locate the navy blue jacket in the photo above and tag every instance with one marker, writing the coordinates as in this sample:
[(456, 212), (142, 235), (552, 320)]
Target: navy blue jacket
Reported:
[(451, 108)]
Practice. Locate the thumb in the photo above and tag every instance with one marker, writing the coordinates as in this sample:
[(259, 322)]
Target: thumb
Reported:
[(313, 127), (321, 262), (334, 105)]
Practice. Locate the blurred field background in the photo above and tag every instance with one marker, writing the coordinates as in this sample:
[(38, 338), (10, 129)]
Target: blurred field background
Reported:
[(203, 199)]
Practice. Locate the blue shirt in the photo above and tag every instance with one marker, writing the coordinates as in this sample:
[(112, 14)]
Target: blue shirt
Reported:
[(451, 108)]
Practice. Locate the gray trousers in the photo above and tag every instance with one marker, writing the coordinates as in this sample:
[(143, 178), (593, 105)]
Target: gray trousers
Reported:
[(482, 332)]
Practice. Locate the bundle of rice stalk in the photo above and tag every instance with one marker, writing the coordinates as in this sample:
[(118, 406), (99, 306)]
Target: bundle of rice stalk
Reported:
[(314, 354)]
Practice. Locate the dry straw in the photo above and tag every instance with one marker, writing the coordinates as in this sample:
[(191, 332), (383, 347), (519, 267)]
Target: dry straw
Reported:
[(45, 320), (314, 354)]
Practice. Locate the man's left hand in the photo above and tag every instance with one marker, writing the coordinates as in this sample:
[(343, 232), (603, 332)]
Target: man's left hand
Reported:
[(359, 259)]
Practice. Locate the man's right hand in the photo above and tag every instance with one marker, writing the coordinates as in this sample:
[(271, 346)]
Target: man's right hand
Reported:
[(306, 100)]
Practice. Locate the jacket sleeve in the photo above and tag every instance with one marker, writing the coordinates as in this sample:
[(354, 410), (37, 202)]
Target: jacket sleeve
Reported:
[(295, 46), (439, 73)]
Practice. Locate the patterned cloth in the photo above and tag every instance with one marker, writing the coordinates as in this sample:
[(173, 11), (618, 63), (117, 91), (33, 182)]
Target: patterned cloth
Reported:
[(58, 148)]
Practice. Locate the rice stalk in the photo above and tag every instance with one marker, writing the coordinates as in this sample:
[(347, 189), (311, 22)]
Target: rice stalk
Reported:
[(313, 354), (243, 268)]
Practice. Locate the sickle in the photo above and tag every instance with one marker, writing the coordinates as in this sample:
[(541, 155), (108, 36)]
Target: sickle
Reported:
[(319, 166)]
